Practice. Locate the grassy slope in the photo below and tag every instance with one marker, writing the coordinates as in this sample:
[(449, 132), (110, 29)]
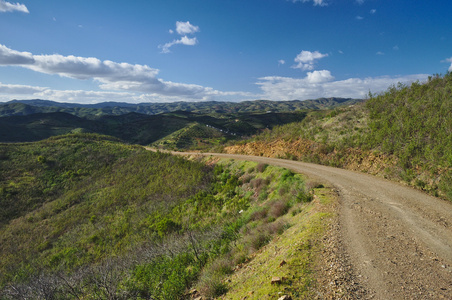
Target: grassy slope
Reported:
[(292, 256), (403, 134), (87, 216), (70, 200)]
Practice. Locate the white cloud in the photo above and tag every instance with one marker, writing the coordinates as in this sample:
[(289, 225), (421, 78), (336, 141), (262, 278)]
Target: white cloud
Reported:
[(86, 97), (110, 75), (281, 62), (360, 1), (373, 11), (183, 41), (319, 76), (11, 89), (448, 60), (184, 28), (316, 84), (316, 2), (359, 18), (13, 57), (306, 59), (10, 7), (321, 84), (395, 48), (16, 91), (380, 53)]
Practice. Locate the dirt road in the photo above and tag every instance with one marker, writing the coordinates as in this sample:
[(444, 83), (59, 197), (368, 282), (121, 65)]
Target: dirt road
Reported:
[(396, 240)]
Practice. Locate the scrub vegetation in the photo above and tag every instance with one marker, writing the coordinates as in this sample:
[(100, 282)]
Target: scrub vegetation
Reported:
[(87, 217)]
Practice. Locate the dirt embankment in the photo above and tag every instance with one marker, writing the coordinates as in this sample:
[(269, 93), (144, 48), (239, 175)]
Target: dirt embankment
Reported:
[(350, 159)]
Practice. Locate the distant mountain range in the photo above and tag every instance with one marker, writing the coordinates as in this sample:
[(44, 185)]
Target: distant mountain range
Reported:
[(26, 107), (179, 125)]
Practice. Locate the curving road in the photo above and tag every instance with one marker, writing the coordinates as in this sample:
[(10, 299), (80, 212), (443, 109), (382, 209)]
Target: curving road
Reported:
[(398, 240)]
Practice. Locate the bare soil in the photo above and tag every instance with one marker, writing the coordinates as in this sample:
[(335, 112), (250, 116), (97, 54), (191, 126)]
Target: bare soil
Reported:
[(390, 241)]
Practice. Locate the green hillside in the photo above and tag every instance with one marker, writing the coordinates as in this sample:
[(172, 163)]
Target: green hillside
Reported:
[(84, 216), (143, 129), (404, 134)]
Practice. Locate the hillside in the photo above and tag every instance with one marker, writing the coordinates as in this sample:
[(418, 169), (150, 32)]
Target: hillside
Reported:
[(403, 134), (143, 129), (84, 216), (25, 107)]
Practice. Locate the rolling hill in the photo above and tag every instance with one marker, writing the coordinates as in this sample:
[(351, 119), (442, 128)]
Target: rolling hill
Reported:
[(403, 134), (143, 129), (24, 107)]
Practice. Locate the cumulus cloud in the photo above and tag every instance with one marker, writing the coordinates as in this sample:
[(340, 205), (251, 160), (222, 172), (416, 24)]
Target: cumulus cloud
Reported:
[(184, 29), (12, 89), (322, 84), (11, 7), (281, 62), (316, 2), (17, 91), (306, 59), (86, 97), (13, 57), (319, 76), (110, 75)]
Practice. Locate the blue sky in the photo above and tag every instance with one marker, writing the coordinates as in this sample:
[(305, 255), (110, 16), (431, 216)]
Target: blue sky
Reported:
[(224, 50)]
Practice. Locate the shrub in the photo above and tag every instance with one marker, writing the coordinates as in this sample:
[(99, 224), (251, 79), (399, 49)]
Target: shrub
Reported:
[(276, 227), (278, 208), (257, 239), (261, 167), (247, 178), (211, 285), (259, 214), (222, 265)]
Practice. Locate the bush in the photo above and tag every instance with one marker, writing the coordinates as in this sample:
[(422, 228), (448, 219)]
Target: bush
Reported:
[(261, 167), (278, 208), (211, 285), (257, 239), (259, 214)]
